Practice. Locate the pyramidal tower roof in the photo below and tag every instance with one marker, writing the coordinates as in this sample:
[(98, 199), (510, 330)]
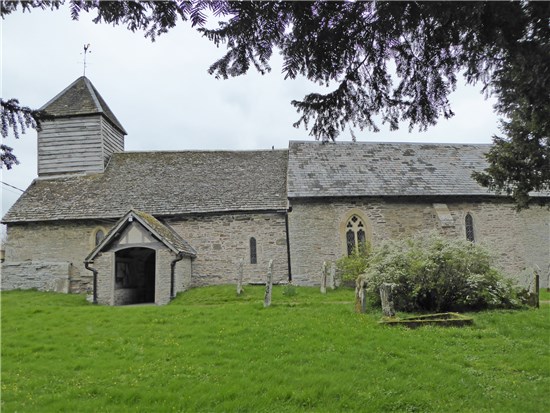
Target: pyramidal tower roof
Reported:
[(81, 98)]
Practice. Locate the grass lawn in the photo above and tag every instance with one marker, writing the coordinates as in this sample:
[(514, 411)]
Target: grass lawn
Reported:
[(544, 294), (210, 351)]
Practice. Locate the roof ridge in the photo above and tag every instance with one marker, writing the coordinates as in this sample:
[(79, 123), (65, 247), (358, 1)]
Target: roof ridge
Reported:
[(93, 94), (105, 109), (201, 151), (389, 143)]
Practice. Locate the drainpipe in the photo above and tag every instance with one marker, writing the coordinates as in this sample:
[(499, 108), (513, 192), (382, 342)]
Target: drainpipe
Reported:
[(94, 271), (179, 257), (288, 245)]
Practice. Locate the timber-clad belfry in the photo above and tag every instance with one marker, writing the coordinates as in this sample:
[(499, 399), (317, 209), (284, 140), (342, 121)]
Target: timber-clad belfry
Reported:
[(139, 227)]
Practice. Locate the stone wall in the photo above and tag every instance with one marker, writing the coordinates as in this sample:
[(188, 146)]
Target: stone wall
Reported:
[(55, 242), (183, 275), (42, 276), (519, 241), (124, 296), (104, 264), (221, 240), (109, 295), (163, 274)]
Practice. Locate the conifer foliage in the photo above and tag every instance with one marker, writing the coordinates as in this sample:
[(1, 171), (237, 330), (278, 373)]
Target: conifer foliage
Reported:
[(16, 118), (383, 62)]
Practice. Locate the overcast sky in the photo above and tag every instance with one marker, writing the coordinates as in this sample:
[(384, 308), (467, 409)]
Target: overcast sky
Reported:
[(165, 99)]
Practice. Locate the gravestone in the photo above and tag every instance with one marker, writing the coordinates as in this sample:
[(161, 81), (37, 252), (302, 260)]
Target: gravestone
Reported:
[(360, 295), (332, 277), (324, 278), (533, 289), (268, 284), (240, 277), (386, 298), (537, 289)]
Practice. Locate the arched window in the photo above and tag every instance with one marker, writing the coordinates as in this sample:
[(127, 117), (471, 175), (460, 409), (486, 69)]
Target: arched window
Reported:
[(253, 255), (469, 224), (355, 234), (99, 235)]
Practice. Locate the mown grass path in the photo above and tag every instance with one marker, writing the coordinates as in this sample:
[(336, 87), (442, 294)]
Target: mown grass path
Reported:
[(210, 351)]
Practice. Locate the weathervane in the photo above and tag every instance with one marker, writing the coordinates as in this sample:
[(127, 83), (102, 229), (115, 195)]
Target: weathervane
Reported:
[(86, 47)]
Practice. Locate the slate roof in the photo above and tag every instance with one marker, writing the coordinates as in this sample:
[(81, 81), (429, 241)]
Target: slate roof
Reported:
[(162, 232), (165, 233), (384, 169), (162, 184), (80, 98)]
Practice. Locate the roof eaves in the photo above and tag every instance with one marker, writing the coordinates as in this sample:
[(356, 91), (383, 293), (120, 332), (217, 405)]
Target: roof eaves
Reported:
[(320, 196), (163, 214), (104, 108), (116, 124)]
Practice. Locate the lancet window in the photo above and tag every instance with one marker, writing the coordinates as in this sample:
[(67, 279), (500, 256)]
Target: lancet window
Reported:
[(253, 254), (356, 238), (469, 224)]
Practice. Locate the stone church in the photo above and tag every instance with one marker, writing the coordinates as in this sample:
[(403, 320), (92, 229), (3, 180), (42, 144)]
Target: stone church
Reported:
[(138, 227)]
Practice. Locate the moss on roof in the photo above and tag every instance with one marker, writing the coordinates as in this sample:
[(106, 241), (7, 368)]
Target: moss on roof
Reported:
[(81, 98), (160, 231), (163, 184), (166, 234)]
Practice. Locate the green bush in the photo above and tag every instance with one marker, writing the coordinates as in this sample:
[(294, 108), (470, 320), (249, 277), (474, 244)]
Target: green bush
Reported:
[(352, 266), (433, 273)]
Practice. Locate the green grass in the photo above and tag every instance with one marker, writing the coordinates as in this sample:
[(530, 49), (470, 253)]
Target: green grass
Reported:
[(544, 294), (210, 351)]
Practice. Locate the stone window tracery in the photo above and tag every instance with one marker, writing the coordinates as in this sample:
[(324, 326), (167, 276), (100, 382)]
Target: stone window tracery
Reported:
[(469, 225), (355, 234)]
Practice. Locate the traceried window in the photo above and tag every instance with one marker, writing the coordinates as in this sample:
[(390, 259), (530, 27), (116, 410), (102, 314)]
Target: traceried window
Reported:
[(355, 234), (469, 224), (99, 235), (253, 255)]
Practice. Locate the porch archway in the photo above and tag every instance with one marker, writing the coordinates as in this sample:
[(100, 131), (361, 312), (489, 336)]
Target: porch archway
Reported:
[(135, 275)]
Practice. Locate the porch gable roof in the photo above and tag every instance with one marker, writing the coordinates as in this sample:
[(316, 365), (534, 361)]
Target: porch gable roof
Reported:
[(163, 233)]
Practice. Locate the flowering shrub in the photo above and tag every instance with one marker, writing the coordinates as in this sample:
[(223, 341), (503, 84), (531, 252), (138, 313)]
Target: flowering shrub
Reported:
[(352, 266), (433, 273)]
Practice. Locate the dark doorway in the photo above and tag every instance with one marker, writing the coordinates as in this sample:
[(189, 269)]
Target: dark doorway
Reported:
[(134, 276)]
